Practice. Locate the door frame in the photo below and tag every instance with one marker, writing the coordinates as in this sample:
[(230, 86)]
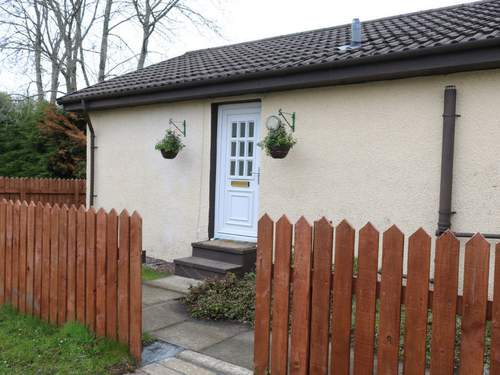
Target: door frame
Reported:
[(213, 158)]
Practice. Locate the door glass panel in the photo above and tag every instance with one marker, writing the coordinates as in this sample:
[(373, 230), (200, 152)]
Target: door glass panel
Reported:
[(241, 168), (241, 149), (242, 129), (232, 171)]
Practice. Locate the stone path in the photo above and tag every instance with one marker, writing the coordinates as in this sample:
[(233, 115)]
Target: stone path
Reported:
[(189, 346)]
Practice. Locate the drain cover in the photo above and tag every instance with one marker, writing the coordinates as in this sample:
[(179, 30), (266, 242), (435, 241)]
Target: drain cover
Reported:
[(158, 351)]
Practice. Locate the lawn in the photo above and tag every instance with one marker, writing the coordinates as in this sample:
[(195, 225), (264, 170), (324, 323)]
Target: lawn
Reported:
[(149, 274), (30, 346)]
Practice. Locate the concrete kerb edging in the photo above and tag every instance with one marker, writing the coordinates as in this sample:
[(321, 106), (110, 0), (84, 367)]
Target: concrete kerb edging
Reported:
[(213, 364), (173, 283)]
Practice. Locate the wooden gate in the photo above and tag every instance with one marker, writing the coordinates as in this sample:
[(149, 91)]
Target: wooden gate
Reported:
[(62, 264), (393, 323)]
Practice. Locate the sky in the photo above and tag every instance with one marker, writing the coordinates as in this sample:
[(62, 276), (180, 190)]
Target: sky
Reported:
[(245, 20)]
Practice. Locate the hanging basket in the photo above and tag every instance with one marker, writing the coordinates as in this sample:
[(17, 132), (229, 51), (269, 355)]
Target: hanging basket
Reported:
[(279, 152), (169, 154)]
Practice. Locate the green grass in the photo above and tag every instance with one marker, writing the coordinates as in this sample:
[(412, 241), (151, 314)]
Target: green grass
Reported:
[(149, 274), (147, 339), (30, 346)]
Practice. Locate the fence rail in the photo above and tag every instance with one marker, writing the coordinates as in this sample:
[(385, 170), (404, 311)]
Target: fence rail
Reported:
[(63, 264), (324, 335), (45, 190)]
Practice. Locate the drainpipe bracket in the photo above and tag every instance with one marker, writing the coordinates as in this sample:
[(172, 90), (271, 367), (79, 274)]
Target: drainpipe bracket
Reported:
[(448, 212)]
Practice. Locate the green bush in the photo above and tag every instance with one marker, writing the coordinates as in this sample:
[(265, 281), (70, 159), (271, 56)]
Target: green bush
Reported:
[(40, 140), (229, 298), (276, 138), (171, 142)]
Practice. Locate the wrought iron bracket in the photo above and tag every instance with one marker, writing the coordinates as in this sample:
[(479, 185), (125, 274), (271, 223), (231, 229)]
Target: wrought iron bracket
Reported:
[(177, 125), (290, 123)]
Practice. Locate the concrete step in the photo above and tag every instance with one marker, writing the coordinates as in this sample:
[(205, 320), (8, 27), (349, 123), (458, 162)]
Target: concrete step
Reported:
[(204, 268), (235, 252)]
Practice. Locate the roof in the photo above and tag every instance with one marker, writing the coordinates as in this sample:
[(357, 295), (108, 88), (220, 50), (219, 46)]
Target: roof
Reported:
[(431, 31)]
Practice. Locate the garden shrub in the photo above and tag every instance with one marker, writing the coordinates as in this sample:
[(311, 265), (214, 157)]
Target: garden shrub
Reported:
[(229, 298)]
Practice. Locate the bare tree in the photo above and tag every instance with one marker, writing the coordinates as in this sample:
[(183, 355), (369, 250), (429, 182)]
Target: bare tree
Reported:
[(23, 36), (69, 17), (103, 56), (61, 40), (157, 15), (116, 13), (38, 51)]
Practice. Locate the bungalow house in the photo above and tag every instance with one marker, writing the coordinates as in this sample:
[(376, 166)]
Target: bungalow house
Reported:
[(388, 115)]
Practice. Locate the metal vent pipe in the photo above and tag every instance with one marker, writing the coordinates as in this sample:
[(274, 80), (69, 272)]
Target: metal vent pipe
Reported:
[(355, 33)]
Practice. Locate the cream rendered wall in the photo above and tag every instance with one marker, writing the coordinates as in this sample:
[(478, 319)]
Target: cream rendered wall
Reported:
[(130, 173), (365, 152), (373, 152)]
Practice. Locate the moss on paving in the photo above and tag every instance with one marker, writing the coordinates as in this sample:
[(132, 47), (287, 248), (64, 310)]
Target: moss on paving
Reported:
[(30, 346), (149, 274)]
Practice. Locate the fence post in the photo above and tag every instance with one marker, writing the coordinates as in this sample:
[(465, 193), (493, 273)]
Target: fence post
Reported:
[(320, 318), (366, 300), (123, 278), (299, 337), (135, 286), (264, 266), (444, 303), (281, 288), (417, 290)]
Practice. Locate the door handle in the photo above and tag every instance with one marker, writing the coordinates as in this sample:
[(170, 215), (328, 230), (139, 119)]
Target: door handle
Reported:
[(258, 176)]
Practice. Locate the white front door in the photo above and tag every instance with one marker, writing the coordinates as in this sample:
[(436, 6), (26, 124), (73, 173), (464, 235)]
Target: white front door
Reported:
[(237, 187)]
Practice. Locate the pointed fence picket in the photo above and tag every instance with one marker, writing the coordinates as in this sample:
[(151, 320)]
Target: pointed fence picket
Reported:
[(304, 321), (46, 190), (61, 264)]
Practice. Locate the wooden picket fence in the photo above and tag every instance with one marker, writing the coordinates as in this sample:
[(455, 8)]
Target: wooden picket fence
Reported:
[(317, 304), (71, 264), (45, 190)]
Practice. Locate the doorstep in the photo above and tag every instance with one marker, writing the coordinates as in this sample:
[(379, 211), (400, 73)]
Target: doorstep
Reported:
[(216, 258)]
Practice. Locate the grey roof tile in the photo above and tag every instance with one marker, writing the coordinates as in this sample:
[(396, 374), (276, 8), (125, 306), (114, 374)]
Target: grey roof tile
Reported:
[(449, 26)]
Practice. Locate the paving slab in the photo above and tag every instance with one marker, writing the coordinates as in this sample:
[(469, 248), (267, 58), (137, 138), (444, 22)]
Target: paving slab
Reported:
[(174, 283), (185, 367), (198, 335), (237, 350), (163, 315), (152, 295)]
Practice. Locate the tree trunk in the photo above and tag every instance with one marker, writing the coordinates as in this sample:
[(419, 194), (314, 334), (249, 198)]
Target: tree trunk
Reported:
[(54, 82), (146, 33), (103, 56), (38, 54)]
